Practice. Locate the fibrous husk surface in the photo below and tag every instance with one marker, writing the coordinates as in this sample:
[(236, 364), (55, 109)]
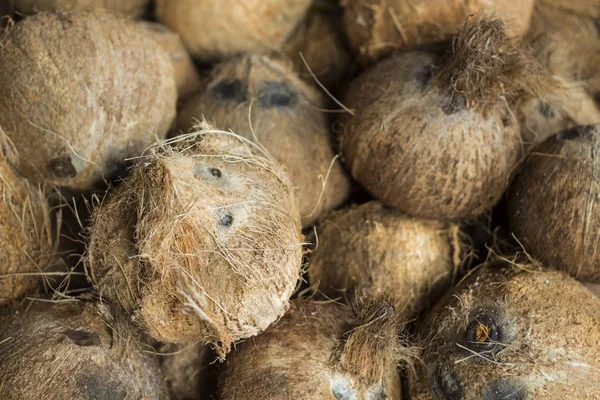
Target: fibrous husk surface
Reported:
[(552, 202), (72, 350), (376, 28), (134, 8), (435, 136), (26, 230), (231, 27), (320, 351), (505, 333), (374, 249), (80, 92), (262, 99), (201, 243)]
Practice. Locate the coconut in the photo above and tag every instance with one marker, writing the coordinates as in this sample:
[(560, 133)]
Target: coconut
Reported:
[(434, 136), (502, 334), (378, 27), (80, 92), (134, 8), (26, 231), (320, 351), (187, 76), (230, 27), (263, 100), (552, 198), (183, 368), (71, 350), (374, 249), (201, 242)]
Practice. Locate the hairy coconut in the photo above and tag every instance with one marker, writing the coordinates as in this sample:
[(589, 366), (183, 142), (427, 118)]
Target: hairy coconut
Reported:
[(201, 242), (263, 100), (434, 136), (229, 27), (374, 249), (26, 231), (503, 335), (376, 28), (134, 8), (187, 76), (551, 205), (183, 369), (320, 351), (80, 92), (71, 350)]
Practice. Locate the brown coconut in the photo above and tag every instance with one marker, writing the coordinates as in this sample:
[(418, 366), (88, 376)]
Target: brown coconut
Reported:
[(71, 350), (187, 76), (376, 28), (26, 231), (201, 243), (435, 137), (551, 205), (80, 92), (229, 27), (511, 334), (134, 8), (263, 100), (374, 249), (320, 351)]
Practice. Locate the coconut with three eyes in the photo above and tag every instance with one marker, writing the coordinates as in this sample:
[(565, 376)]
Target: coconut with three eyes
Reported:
[(511, 333)]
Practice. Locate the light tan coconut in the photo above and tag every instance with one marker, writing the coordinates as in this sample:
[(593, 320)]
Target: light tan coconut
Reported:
[(216, 29), (72, 350), (80, 92), (134, 8), (320, 351), (263, 100), (378, 27), (374, 249), (511, 334), (201, 242)]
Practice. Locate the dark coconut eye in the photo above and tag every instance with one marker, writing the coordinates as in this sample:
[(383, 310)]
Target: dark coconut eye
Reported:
[(504, 389), (62, 167), (574, 133), (446, 385), (423, 75), (226, 220), (277, 94), (232, 90), (546, 110), (215, 172), (482, 333), (83, 338)]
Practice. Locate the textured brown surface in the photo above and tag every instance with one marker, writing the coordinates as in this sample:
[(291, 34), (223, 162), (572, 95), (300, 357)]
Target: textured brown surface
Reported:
[(553, 198), (286, 118), (505, 334), (213, 30), (134, 8), (72, 351), (80, 92)]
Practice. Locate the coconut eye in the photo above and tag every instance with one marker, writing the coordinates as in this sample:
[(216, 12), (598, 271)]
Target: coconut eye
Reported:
[(83, 338), (226, 220), (232, 89), (506, 121), (62, 167), (423, 75), (277, 94), (546, 110), (572, 133), (482, 333), (446, 385), (215, 172)]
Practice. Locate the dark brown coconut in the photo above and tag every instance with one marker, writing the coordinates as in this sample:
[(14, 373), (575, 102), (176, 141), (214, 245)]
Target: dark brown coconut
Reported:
[(320, 351), (511, 334), (378, 27), (72, 351), (134, 8), (374, 249), (202, 241), (230, 27), (436, 137), (551, 205), (80, 92), (26, 231), (263, 100)]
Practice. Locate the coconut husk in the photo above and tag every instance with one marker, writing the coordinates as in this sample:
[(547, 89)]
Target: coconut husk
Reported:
[(502, 334), (88, 89), (201, 243), (134, 8), (262, 99)]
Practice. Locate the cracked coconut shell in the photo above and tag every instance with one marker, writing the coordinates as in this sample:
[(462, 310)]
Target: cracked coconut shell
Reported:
[(435, 136), (70, 350), (374, 249), (26, 230), (320, 351), (80, 92), (502, 334), (286, 119), (201, 242), (213, 30), (134, 8), (552, 200), (376, 28)]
